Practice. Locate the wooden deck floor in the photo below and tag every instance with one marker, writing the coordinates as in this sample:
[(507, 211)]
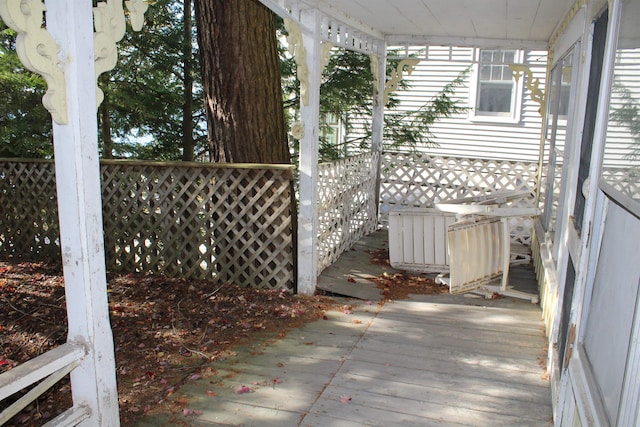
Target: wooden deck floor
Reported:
[(428, 361)]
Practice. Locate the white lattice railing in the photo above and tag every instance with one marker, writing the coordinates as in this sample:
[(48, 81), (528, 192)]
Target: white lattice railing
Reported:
[(225, 222), (346, 204), (624, 180), (420, 180)]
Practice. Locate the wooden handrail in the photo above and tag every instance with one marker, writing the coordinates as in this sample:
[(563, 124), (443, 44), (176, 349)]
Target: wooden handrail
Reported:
[(40, 367)]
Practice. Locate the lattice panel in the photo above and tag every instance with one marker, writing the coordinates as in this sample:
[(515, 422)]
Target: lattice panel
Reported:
[(346, 205), (29, 217), (420, 180), (624, 180), (231, 224)]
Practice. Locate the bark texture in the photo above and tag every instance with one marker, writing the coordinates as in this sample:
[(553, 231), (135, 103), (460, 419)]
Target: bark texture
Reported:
[(187, 106), (241, 81)]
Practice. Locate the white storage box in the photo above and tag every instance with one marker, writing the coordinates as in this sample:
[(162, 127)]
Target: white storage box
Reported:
[(418, 239)]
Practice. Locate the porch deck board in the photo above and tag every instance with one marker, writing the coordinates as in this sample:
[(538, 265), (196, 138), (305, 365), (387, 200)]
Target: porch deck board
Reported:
[(437, 360)]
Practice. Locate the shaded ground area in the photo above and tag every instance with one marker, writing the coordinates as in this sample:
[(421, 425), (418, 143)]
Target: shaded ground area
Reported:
[(165, 330)]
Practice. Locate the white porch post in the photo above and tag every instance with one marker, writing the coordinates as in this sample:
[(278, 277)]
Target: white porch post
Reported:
[(80, 214), (378, 96), (310, 116), (377, 127)]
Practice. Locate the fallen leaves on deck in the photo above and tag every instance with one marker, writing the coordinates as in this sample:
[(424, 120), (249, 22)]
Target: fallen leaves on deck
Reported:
[(243, 389), (345, 399), (165, 330), (398, 285)]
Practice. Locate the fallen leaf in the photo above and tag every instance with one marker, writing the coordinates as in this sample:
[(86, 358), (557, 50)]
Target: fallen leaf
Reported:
[(243, 389), (22, 418), (211, 393)]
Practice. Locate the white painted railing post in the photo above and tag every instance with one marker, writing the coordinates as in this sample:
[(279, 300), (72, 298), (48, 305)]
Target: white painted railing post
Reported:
[(93, 382), (310, 117), (377, 127), (379, 82)]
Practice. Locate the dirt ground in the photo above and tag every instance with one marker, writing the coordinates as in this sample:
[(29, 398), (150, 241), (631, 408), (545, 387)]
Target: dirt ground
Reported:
[(165, 330)]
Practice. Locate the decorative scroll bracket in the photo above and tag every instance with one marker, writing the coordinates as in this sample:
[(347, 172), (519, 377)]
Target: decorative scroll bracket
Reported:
[(110, 25), (325, 54), (38, 51), (533, 85), (136, 9), (397, 74), (299, 53)]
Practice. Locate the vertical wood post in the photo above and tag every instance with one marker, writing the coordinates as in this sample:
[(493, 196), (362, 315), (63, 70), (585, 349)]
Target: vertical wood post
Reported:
[(377, 127), (93, 382), (310, 116)]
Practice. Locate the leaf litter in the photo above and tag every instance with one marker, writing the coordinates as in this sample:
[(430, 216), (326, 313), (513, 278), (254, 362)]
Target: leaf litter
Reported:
[(165, 331), (398, 285)]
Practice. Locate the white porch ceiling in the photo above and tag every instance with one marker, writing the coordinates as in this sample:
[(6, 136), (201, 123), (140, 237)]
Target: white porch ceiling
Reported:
[(468, 22)]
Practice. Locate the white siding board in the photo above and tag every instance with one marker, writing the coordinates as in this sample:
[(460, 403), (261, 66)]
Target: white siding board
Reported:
[(459, 135), (620, 140)]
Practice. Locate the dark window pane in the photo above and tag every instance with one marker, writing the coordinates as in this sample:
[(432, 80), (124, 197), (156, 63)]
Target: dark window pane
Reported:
[(485, 56), (494, 97), (509, 57), (485, 72), (496, 73)]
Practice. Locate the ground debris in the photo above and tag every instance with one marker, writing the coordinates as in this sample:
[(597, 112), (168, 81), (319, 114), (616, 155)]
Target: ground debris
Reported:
[(397, 285), (165, 330)]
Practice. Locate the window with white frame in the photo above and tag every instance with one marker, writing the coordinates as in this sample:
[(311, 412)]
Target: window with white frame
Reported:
[(330, 129), (497, 92)]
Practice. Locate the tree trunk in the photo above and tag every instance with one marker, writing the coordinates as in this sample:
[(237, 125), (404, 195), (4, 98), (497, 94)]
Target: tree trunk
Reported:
[(243, 96), (105, 128), (187, 106), (241, 82)]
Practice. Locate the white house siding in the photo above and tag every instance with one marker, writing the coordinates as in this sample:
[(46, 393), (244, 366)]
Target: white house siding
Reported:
[(464, 135), (620, 139)]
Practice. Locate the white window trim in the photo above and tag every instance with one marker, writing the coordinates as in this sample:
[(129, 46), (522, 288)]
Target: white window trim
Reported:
[(516, 102)]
